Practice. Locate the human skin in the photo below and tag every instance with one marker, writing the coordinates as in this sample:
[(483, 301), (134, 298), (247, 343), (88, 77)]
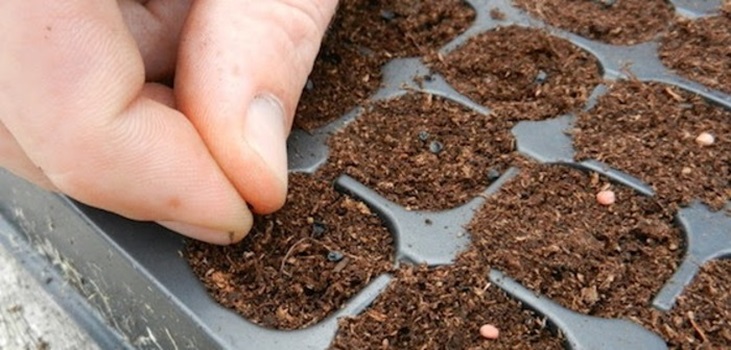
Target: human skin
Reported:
[(81, 112)]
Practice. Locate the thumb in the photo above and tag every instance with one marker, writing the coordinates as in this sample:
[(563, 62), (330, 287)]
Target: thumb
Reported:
[(241, 70), (74, 99)]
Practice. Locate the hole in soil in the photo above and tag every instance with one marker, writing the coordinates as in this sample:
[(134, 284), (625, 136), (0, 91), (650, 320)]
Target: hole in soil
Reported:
[(446, 313), (521, 73), (551, 247), (649, 130), (364, 35), (705, 45), (619, 22), (391, 148), (284, 276)]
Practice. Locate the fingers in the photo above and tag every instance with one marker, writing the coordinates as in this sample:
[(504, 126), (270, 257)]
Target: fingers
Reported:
[(72, 93), (13, 158), (241, 68), (155, 25)]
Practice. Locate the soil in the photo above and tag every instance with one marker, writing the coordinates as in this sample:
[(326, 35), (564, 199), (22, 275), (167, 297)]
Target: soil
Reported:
[(648, 130), (701, 318), (443, 308), (700, 50), (619, 22), (521, 73), (546, 230), (405, 28), (301, 263), (343, 77), (422, 151), (364, 35)]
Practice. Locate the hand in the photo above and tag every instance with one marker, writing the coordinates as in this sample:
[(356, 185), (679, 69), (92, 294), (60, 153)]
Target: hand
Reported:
[(80, 113)]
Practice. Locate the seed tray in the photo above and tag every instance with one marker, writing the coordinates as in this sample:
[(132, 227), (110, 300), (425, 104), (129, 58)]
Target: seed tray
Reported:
[(135, 276)]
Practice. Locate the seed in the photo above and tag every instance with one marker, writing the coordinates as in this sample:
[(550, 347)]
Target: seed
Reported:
[(335, 256), (606, 3), (318, 229), (489, 331), (435, 147), (493, 174), (606, 197), (388, 15), (541, 77), (705, 139), (423, 135), (686, 171)]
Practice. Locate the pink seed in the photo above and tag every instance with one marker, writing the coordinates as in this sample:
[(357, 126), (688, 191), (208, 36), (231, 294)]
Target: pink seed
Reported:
[(606, 197), (705, 139), (489, 331)]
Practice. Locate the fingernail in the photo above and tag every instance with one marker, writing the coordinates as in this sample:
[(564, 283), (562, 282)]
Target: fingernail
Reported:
[(203, 233), (265, 131)]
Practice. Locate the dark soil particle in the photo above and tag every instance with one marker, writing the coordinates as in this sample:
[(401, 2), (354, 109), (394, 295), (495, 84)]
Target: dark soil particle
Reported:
[(545, 229), (364, 35), (285, 274), (521, 73), (620, 22), (422, 151), (443, 308), (701, 318), (648, 130), (700, 50)]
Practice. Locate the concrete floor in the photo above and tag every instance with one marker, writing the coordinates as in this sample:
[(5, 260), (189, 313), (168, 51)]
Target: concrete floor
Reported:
[(29, 317)]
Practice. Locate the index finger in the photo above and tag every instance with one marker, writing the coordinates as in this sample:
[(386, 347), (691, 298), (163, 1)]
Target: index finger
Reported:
[(241, 69)]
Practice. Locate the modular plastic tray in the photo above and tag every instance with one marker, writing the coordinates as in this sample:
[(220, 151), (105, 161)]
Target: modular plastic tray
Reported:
[(135, 276)]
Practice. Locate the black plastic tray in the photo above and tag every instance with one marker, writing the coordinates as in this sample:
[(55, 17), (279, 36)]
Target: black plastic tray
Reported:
[(134, 274)]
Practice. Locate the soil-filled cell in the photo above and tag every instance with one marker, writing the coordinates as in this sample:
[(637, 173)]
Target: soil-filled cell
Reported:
[(619, 22), (700, 50), (661, 135), (422, 151), (406, 28), (443, 308), (546, 229), (521, 73), (301, 263)]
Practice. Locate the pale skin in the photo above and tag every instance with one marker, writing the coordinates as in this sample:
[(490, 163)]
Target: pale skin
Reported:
[(81, 112)]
